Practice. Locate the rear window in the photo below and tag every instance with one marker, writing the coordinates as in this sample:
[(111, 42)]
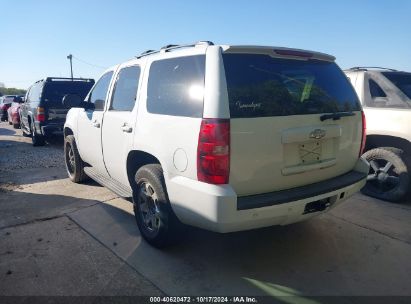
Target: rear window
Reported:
[(262, 86), (54, 92), (401, 80), (175, 86), (8, 99)]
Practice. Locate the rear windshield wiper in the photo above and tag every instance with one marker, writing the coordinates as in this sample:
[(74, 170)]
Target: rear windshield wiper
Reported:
[(336, 116)]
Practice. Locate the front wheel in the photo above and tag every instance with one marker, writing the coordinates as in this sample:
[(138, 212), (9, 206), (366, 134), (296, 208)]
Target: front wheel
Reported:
[(73, 161), (156, 220), (388, 178)]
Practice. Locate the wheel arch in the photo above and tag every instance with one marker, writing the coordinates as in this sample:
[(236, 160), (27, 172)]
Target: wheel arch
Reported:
[(68, 131), (376, 141), (135, 160)]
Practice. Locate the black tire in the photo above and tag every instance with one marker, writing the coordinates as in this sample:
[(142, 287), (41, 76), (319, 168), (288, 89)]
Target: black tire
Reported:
[(404, 155), (74, 163), (36, 139), (16, 126), (388, 178), (156, 220)]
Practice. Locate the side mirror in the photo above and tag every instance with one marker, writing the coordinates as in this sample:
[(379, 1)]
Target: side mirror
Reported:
[(72, 101), (87, 105)]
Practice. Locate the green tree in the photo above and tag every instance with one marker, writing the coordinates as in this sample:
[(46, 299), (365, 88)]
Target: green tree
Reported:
[(11, 91)]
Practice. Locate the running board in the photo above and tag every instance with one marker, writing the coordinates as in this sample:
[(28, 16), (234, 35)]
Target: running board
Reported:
[(109, 183)]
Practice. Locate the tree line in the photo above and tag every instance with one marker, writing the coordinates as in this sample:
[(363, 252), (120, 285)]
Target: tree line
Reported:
[(12, 91)]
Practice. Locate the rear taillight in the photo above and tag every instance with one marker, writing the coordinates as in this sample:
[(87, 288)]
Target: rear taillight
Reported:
[(213, 151), (364, 133), (41, 115)]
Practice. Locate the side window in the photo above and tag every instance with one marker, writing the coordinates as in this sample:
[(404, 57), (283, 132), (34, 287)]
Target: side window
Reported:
[(99, 93), (176, 85), (125, 91), (375, 89), (26, 98), (35, 92)]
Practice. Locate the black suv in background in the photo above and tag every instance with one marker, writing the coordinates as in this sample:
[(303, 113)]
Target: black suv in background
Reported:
[(43, 112)]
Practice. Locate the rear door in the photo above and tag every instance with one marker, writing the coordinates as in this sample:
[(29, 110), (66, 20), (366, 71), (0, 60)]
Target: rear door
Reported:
[(281, 137), (119, 121), (54, 92), (89, 124)]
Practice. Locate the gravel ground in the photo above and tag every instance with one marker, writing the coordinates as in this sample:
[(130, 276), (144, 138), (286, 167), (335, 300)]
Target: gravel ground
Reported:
[(24, 154)]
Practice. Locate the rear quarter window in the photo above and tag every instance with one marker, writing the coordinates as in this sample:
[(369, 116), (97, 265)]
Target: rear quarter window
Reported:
[(401, 80), (175, 86), (263, 86)]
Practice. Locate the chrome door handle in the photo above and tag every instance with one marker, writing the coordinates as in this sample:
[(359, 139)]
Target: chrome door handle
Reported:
[(96, 124), (126, 128)]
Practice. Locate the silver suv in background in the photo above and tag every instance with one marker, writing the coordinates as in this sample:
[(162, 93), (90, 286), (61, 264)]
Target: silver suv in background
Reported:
[(221, 137), (386, 98)]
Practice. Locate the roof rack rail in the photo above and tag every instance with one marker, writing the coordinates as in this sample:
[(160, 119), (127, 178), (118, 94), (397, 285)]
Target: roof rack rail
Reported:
[(148, 52), (67, 78), (171, 47), (367, 68)]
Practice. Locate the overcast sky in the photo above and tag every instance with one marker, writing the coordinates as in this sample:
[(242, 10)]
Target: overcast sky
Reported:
[(38, 35)]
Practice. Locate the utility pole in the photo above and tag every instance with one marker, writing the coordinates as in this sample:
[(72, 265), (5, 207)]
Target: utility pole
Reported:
[(70, 57)]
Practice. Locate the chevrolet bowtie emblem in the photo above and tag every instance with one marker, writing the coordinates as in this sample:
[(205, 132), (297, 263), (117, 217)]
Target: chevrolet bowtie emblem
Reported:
[(317, 134)]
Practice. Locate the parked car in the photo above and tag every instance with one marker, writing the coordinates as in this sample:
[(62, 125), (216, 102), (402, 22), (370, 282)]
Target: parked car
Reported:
[(386, 97), (5, 104), (43, 113), (225, 138), (14, 112)]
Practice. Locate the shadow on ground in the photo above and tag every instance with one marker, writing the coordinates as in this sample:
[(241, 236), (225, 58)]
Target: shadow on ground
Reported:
[(6, 132), (324, 256)]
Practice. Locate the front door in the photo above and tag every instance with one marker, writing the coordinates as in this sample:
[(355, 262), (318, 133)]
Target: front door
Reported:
[(119, 121), (90, 124)]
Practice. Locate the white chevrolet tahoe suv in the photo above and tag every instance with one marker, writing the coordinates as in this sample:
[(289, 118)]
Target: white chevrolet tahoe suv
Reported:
[(385, 95), (221, 137)]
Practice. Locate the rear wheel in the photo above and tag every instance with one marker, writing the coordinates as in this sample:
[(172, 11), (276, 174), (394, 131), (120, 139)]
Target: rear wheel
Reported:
[(73, 161), (36, 139), (388, 178), (156, 220)]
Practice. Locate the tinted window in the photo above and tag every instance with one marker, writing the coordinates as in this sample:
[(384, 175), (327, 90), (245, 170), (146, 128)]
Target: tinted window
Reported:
[(401, 80), (99, 93), (175, 86), (261, 86), (8, 99), (375, 89), (54, 91), (125, 91)]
